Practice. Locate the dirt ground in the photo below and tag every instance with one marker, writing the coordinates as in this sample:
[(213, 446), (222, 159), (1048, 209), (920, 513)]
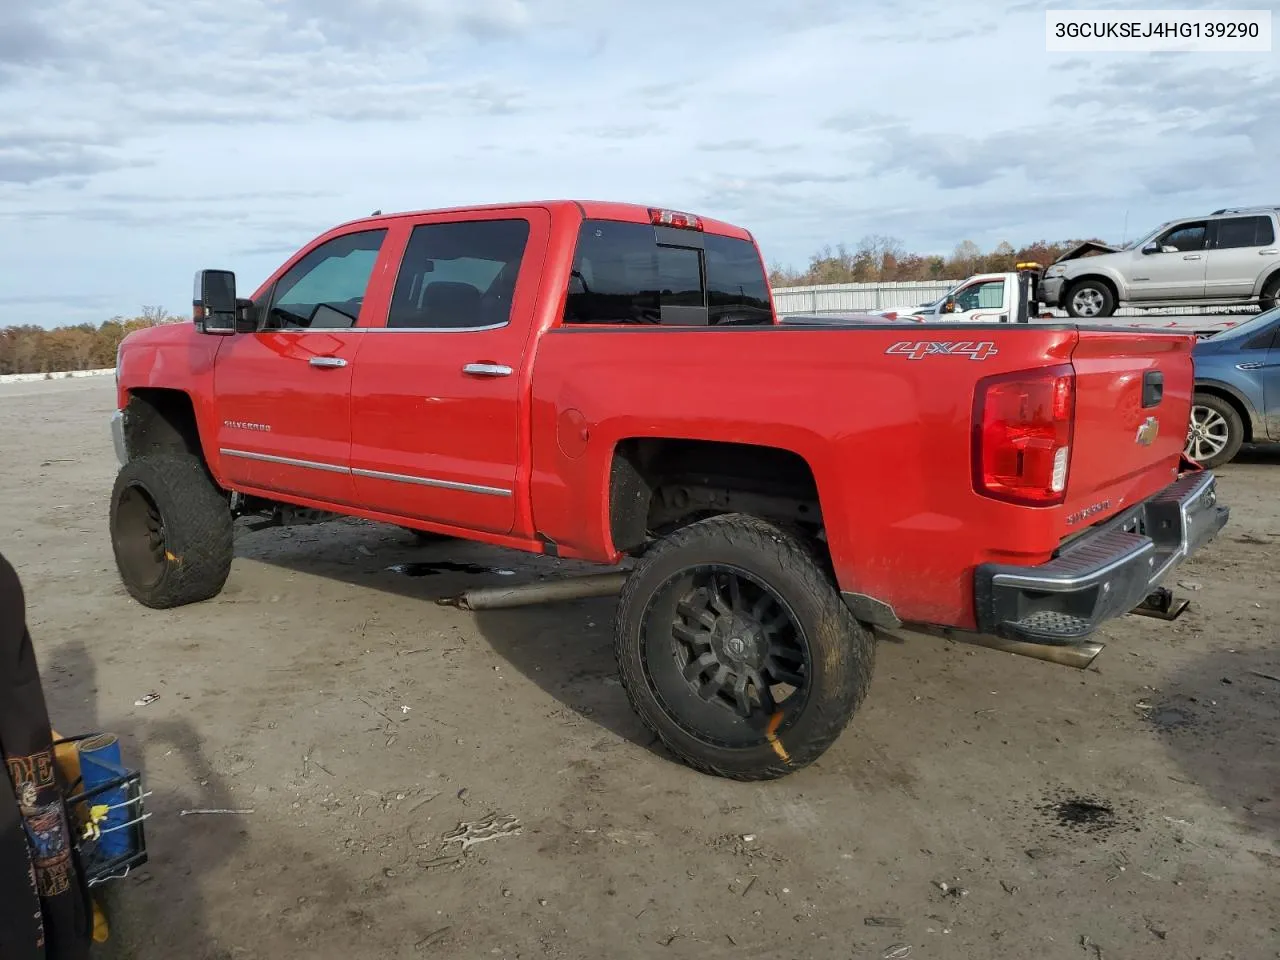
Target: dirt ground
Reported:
[(1129, 811)]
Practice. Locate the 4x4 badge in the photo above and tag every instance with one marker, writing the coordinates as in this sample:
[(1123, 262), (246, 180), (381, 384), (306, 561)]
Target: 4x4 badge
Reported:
[(919, 349)]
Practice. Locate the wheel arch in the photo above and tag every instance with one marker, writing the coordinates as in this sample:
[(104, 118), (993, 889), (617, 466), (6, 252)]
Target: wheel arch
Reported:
[(1252, 424), (1111, 283), (658, 484), (1267, 281), (161, 420)]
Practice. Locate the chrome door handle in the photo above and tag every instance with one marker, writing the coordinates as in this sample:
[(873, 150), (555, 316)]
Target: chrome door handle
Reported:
[(1268, 253), (327, 362), (487, 370), (1192, 256)]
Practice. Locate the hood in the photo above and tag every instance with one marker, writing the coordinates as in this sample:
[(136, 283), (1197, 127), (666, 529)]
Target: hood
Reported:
[(1089, 246)]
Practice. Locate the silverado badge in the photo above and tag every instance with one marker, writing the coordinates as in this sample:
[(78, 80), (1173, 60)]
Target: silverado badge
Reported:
[(1148, 430)]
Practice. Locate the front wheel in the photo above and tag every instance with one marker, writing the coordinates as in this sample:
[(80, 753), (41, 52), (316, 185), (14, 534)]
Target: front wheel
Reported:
[(171, 531), (1090, 299), (1216, 432), (737, 651)]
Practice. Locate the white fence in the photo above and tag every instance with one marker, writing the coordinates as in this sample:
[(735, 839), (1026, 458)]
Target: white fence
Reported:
[(854, 297), (64, 375)]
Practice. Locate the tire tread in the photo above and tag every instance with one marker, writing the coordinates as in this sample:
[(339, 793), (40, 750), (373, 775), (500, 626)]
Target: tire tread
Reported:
[(847, 647)]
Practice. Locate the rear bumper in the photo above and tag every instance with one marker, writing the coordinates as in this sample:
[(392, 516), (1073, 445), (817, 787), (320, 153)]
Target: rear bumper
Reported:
[(1104, 573)]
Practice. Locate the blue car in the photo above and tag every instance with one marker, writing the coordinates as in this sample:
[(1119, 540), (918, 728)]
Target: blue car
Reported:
[(1237, 394)]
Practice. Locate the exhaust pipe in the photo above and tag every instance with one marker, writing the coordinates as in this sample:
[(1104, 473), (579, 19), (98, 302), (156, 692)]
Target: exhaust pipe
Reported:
[(1078, 655), (553, 591)]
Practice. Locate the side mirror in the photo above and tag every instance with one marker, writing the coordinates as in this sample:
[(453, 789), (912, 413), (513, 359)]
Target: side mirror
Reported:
[(214, 304), (949, 305), (1152, 247)]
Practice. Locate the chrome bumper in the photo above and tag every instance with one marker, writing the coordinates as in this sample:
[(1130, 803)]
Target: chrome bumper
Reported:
[(117, 437), (1105, 573)]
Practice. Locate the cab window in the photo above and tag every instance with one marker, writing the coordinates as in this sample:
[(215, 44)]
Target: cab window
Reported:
[(988, 295), (1186, 237), (326, 288)]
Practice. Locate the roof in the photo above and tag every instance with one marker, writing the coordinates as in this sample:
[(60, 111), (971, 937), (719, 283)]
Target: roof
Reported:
[(587, 209)]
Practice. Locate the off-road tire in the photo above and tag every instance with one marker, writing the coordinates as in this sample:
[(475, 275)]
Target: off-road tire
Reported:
[(197, 530), (1235, 429), (842, 650), (1271, 294), (1108, 299)]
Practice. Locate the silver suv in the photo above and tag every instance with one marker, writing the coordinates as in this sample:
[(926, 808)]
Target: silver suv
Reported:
[(1230, 257)]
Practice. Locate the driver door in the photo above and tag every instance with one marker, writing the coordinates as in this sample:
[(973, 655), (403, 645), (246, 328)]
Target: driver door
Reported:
[(283, 393), (981, 302), (1176, 266)]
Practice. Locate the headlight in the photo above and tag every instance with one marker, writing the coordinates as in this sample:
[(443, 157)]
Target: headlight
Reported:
[(1057, 271)]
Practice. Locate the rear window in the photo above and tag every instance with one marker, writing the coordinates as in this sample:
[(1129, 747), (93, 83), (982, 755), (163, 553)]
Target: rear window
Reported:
[(638, 273)]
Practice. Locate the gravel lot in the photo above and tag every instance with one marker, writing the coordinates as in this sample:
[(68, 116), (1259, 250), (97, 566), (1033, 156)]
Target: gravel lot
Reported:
[(1129, 811)]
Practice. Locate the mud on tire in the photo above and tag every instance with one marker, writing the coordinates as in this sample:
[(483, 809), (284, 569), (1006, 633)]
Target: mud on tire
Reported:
[(171, 531), (680, 612)]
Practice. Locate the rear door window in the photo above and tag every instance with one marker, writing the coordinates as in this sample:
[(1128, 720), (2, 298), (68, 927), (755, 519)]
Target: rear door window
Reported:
[(1244, 232), (636, 273)]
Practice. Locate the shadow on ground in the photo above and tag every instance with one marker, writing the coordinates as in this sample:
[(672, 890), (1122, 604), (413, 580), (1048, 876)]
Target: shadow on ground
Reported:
[(565, 649), (1220, 720), (159, 910)]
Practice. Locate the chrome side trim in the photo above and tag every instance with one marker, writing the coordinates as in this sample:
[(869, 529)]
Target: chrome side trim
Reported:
[(489, 326), (369, 474), (117, 437), (431, 482), (285, 461)]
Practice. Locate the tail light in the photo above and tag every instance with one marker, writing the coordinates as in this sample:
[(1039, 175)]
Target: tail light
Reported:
[(1022, 426)]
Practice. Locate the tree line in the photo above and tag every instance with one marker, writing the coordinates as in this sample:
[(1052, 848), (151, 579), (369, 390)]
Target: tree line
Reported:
[(32, 349), (879, 259)]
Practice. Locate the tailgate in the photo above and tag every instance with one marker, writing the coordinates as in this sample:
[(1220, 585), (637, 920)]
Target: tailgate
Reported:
[(1133, 404)]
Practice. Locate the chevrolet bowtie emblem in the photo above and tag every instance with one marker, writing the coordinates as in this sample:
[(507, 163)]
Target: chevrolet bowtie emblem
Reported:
[(1148, 430)]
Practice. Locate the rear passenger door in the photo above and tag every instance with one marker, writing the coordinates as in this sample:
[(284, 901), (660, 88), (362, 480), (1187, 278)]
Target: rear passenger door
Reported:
[(1241, 250), (439, 391)]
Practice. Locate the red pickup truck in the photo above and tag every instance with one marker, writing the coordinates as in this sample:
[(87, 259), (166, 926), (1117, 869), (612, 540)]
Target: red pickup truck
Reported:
[(604, 381)]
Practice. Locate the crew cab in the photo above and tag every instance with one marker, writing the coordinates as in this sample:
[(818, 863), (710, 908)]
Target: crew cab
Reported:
[(1229, 258), (605, 381)]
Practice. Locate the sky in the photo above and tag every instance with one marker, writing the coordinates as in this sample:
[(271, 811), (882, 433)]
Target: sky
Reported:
[(141, 140)]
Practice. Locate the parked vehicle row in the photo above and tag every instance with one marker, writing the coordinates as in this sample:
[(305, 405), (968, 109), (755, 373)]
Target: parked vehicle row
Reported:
[(602, 381)]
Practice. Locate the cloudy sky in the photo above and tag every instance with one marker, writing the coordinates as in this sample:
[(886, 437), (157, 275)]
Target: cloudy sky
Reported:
[(143, 139)]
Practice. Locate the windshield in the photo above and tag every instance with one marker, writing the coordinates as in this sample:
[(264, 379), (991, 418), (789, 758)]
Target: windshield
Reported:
[(1250, 326), (1135, 244)]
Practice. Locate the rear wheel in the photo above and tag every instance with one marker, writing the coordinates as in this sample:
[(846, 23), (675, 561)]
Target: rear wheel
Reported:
[(735, 648), (171, 531), (1090, 299), (1271, 293), (1216, 432)]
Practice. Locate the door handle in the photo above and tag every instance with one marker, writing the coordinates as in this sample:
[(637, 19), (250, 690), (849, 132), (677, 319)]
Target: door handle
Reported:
[(1192, 256), (327, 362), (487, 370), (1268, 253), (1250, 366)]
